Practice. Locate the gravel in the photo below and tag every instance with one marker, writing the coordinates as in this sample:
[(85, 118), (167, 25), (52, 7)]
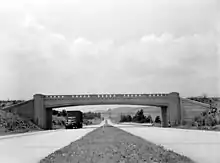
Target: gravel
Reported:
[(113, 145)]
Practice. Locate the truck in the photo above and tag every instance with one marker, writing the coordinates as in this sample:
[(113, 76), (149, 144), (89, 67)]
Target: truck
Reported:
[(74, 119)]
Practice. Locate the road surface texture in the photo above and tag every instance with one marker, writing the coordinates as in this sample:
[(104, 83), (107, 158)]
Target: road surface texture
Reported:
[(201, 146), (113, 145), (31, 148)]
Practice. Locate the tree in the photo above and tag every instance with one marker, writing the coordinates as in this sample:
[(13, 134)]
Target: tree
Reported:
[(91, 115), (123, 118), (139, 116), (149, 119), (64, 113), (99, 115), (59, 114), (129, 118), (126, 118), (54, 112), (157, 119)]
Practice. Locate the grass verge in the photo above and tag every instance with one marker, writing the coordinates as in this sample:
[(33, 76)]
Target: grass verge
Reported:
[(113, 146)]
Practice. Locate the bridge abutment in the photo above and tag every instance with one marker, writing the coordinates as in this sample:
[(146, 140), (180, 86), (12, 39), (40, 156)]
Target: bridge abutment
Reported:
[(174, 109), (41, 117), (49, 118), (164, 116)]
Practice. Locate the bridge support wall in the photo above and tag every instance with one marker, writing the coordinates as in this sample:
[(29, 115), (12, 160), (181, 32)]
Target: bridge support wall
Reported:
[(41, 115), (174, 113), (164, 116), (49, 118), (24, 109)]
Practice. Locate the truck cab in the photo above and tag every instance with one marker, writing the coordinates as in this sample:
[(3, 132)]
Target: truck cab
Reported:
[(71, 122), (74, 120)]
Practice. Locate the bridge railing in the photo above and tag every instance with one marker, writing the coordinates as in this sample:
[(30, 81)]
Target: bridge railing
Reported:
[(97, 96)]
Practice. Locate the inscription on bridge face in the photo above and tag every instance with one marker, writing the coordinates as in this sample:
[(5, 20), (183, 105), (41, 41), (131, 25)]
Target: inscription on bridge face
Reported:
[(103, 96)]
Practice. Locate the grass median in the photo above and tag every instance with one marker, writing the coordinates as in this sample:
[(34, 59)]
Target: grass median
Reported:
[(113, 146)]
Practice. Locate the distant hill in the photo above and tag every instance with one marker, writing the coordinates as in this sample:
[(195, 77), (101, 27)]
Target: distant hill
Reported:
[(117, 112), (98, 111), (133, 110)]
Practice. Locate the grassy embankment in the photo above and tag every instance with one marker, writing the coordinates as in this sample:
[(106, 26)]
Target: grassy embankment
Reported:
[(11, 123)]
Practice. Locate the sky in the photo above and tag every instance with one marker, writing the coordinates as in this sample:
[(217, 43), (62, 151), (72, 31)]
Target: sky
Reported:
[(127, 46)]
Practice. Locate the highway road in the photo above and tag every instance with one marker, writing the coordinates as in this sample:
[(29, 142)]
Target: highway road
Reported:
[(32, 147), (201, 146)]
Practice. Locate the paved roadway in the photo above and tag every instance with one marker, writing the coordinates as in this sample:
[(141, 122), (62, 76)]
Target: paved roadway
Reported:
[(32, 147), (201, 146)]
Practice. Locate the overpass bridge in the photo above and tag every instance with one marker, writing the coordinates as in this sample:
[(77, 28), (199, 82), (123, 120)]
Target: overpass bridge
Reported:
[(39, 109)]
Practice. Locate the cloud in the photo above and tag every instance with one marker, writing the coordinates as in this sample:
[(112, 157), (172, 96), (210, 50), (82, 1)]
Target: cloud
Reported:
[(72, 53), (165, 37), (31, 22), (161, 64)]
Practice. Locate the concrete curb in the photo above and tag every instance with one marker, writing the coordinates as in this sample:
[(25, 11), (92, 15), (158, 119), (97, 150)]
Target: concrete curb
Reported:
[(27, 134)]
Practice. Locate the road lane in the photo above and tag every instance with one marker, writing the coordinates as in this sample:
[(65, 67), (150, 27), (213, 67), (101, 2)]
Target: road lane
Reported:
[(201, 146), (32, 148)]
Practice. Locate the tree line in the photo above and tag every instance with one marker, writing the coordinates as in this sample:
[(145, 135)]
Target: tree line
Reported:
[(139, 117), (205, 99), (4, 103), (91, 115), (87, 115)]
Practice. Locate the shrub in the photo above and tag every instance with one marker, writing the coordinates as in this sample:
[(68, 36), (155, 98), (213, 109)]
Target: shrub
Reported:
[(210, 121), (126, 118), (149, 119), (199, 120), (157, 119)]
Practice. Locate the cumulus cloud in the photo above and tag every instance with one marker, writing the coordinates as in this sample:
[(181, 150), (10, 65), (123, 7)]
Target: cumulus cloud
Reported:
[(30, 22), (41, 55)]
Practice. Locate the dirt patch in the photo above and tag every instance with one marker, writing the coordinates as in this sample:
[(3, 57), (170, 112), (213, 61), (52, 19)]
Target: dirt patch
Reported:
[(113, 146)]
